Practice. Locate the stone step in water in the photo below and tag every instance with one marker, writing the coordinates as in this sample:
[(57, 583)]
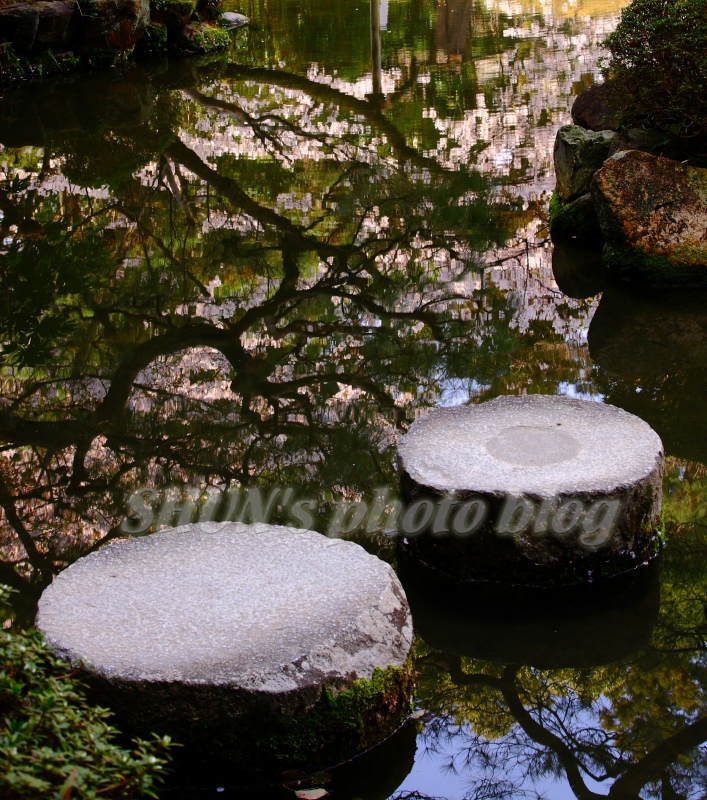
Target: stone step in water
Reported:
[(268, 646), (531, 490)]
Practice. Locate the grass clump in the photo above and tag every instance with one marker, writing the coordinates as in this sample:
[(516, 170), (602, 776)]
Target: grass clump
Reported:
[(53, 744), (658, 68)]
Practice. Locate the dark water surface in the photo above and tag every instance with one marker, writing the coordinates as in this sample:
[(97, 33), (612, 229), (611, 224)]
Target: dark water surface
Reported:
[(255, 269)]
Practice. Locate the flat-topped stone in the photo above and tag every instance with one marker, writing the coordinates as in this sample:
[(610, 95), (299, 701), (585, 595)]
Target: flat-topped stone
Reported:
[(210, 629), (566, 487)]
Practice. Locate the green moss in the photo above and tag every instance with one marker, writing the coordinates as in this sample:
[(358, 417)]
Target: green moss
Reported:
[(211, 39), (579, 222), (340, 725), (637, 265)]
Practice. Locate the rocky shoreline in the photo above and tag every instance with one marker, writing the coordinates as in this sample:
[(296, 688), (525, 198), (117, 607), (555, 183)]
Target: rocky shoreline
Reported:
[(61, 35), (618, 189)]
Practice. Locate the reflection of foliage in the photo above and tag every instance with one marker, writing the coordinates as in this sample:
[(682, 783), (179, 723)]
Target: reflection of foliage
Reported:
[(52, 743), (636, 726)]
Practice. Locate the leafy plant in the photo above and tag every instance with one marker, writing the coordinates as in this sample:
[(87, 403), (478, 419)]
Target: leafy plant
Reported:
[(53, 744), (658, 68)]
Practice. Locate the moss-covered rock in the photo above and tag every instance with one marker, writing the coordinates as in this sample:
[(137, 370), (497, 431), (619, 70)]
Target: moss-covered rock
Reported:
[(653, 215), (200, 37)]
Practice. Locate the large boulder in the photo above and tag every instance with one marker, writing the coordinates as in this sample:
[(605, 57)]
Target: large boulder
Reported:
[(578, 154), (653, 215), (113, 26)]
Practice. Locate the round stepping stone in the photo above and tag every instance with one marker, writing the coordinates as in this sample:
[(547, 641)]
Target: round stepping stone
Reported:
[(531, 490), (266, 645)]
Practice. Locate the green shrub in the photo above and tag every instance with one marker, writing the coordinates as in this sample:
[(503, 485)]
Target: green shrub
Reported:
[(53, 744), (658, 65)]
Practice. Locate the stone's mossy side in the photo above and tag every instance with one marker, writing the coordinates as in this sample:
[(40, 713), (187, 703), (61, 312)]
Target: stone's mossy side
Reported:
[(578, 154), (552, 452), (577, 219), (653, 215), (256, 643), (594, 110)]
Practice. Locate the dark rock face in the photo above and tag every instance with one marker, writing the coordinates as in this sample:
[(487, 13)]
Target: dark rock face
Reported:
[(578, 155), (594, 111), (172, 13), (653, 215), (114, 25), (57, 25), (19, 23)]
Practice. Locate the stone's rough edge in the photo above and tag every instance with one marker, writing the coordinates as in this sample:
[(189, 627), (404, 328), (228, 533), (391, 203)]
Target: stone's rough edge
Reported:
[(397, 617), (329, 724), (436, 487)]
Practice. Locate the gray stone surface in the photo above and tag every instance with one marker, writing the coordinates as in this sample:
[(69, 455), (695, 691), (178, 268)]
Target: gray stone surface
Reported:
[(578, 154), (539, 445), (232, 19), (263, 608)]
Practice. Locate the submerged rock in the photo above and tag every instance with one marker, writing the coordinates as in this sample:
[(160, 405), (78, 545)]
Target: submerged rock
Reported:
[(653, 215), (534, 490), (268, 646)]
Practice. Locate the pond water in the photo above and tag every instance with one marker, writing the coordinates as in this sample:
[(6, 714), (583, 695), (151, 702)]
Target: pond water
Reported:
[(255, 269)]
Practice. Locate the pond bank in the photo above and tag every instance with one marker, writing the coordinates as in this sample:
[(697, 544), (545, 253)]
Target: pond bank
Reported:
[(52, 36)]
